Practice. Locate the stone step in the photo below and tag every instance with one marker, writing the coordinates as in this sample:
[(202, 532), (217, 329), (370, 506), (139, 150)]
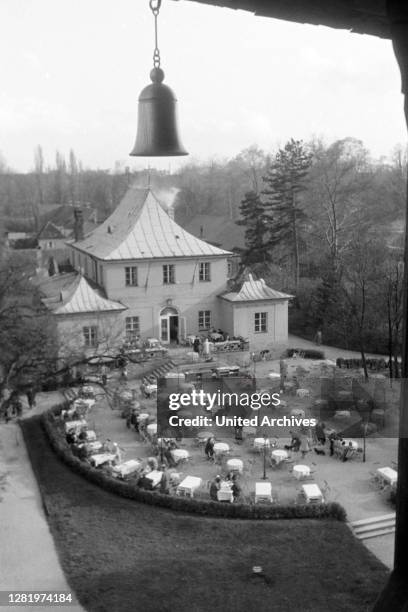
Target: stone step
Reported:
[(367, 528), (375, 533), (374, 519), (374, 526)]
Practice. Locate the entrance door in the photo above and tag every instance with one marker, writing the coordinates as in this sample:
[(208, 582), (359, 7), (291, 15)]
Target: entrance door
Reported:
[(169, 325), (174, 328)]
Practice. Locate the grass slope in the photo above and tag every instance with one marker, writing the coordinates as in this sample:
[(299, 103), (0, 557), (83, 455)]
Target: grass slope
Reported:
[(122, 556)]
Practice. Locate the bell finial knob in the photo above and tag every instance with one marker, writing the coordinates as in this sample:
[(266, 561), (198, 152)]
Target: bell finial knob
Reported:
[(157, 75)]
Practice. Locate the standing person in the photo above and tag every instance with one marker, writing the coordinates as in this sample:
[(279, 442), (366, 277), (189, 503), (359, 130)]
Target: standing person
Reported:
[(209, 448), (206, 348), (318, 337), (319, 433), (196, 345), (31, 397), (215, 487)]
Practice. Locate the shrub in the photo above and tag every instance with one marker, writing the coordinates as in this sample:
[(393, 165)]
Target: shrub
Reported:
[(182, 504)]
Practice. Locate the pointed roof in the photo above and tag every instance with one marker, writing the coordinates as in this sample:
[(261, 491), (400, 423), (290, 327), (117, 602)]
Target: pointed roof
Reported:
[(139, 228), (252, 290), (79, 297), (50, 230)]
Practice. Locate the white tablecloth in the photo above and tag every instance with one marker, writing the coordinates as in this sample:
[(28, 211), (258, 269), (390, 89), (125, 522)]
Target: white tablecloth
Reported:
[(91, 447), (220, 448), (263, 491), (225, 492), (297, 412), (90, 435), (152, 429), (279, 455), (302, 392), (189, 485), (102, 458), (179, 454), (143, 416), (84, 401), (354, 444), (301, 471), (312, 493), (235, 465), (261, 442), (75, 425), (388, 474), (127, 467), (155, 476)]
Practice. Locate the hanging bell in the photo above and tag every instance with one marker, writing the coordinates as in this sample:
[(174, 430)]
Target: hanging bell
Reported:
[(157, 132)]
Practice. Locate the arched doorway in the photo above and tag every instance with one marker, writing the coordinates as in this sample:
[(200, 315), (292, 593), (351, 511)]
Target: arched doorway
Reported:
[(169, 325)]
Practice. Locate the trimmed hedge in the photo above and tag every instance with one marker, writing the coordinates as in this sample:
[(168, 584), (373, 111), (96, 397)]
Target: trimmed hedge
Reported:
[(184, 504)]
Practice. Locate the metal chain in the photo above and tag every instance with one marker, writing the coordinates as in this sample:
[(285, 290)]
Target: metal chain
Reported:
[(155, 8)]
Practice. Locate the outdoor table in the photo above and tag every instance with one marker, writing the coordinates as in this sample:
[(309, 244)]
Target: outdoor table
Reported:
[(143, 416), (127, 467), (220, 448), (297, 412), (388, 475), (90, 435), (279, 455), (152, 429), (312, 493), (88, 390), (204, 435), (342, 414), (263, 491), (179, 454), (82, 401), (91, 447), (302, 392), (70, 425), (188, 485), (235, 465), (224, 493), (155, 476), (346, 442), (260, 443), (101, 458), (301, 471)]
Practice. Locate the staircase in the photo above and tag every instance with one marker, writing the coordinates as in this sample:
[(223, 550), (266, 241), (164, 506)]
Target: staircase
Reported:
[(374, 527), (160, 370)]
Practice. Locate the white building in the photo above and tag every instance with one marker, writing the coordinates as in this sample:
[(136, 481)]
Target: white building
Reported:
[(157, 280)]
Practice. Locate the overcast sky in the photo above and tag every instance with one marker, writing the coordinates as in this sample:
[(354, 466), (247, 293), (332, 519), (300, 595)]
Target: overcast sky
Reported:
[(72, 71)]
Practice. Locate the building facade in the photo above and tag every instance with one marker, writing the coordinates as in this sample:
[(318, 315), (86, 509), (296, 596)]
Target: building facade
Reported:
[(154, 279)]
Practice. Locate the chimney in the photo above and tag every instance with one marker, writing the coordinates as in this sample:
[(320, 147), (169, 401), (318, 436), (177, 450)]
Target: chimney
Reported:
[(78, 225), (201, 231)]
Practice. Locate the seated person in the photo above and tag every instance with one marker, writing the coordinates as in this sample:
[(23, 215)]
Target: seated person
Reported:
[(71, 437), (348, 451), (215, 487), (236, 488)]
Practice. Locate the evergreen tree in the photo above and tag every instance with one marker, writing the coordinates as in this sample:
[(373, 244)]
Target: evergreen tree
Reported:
[(284, 180), (256, 227)]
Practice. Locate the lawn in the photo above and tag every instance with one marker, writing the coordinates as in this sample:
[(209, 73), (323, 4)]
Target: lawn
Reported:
[(122, 556)]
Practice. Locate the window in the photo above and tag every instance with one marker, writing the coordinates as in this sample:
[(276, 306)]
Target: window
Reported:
[(229, 268), (260, 322), (168, 274), (204, 319), (132, 327), (131, 276), (204, 271), (50, 244), (90, 335)]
